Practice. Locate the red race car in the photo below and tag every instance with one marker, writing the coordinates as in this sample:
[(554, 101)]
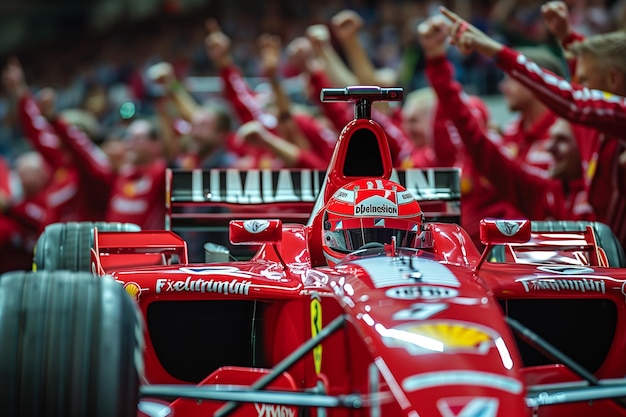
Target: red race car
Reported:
[(360, 299)]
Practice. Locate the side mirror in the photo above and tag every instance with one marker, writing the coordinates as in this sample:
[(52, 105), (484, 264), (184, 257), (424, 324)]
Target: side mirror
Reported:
[(255, 231), (498, 232)]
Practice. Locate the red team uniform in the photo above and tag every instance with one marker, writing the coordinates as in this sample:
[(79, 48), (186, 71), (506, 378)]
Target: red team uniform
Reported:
[(526, 185), (599, 147)]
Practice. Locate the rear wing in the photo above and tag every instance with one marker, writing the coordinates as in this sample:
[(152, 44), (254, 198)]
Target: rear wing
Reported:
[(209, 199)]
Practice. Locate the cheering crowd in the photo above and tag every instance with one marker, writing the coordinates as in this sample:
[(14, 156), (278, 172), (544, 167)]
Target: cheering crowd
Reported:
[(561, 157)]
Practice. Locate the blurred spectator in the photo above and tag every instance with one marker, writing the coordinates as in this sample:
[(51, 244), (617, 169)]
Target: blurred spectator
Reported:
[(207, 127), (138, 191), (248, 107), (562, 196), (23, 212), (598, 103), (77, 190)]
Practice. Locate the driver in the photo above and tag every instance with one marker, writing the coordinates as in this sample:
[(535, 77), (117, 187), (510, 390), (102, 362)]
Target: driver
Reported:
[(367, 213)]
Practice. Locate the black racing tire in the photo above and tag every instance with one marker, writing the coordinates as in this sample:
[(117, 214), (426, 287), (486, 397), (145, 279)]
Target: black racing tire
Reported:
[(604, 235), (66, 246), (71, 346)]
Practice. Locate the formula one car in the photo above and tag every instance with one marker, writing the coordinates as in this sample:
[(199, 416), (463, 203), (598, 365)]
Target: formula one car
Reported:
[(373, 306)]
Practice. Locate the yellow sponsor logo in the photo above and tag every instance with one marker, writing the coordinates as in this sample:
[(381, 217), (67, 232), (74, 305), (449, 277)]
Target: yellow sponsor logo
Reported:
[(455, 337), (316, 327), (133, 289)]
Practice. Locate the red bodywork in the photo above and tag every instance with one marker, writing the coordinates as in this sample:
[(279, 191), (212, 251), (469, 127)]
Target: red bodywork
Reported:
[(425, 332)]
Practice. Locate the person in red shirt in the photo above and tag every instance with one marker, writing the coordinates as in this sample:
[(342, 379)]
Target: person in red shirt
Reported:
[(23, 213), (597, 102), (248, 107), (315, 57), (80, 171), (561, 196), (138, 191)]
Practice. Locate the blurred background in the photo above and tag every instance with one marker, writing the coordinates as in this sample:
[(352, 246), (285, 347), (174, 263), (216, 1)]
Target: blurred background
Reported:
[(95, 52)]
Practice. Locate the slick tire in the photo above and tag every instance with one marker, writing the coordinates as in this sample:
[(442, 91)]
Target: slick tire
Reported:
[(71, 346), (66, 246), (604, 235)]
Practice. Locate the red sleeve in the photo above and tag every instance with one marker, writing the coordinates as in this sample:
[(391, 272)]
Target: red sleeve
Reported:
[(338, 112), (40, 133), (443, 132), (443, 129), (599, 109), (89, 158), (523, 189), (30, 214), (243, 100), (400, 145), (321, 139), (570, 39), (447, 142)]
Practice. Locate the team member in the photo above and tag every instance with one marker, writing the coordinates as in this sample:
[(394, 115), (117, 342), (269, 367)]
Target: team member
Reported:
[(561, 197), (138, 191), (23, 212), (248, 107), (80, 171), (598, 102)]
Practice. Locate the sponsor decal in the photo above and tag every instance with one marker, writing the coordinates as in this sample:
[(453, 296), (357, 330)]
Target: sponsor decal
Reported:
[(373, 202), (564, 284), (508, 227), (203, 286), (405, 197), (274, 186), (566, 269), (256, 226), (316, 327), (419, 311), (462, 377), (407, 270), (252, 186), (441, 337), (468, 407), (271, 410), (344, 195), (423, 292), (134, 290), (375, 208)]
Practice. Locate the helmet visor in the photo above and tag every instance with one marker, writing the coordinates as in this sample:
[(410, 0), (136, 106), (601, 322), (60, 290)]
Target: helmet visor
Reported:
[(349, 235)]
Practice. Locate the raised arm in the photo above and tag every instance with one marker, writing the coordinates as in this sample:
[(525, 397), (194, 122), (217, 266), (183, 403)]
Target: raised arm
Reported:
[(270, 50), (338, 73), (595, 108), (523, 189), (35, 127), (346, 26), (163, 74), (235, 88)]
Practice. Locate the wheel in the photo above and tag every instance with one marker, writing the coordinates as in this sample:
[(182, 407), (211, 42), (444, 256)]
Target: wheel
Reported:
[(604, 235), (71, 346), (66, 246)]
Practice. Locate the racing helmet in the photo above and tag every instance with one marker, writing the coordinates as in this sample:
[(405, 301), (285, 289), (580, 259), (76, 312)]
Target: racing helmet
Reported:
[(366, 213)]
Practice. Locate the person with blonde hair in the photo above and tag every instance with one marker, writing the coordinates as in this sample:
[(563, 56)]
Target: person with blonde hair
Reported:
[(596, 99)]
